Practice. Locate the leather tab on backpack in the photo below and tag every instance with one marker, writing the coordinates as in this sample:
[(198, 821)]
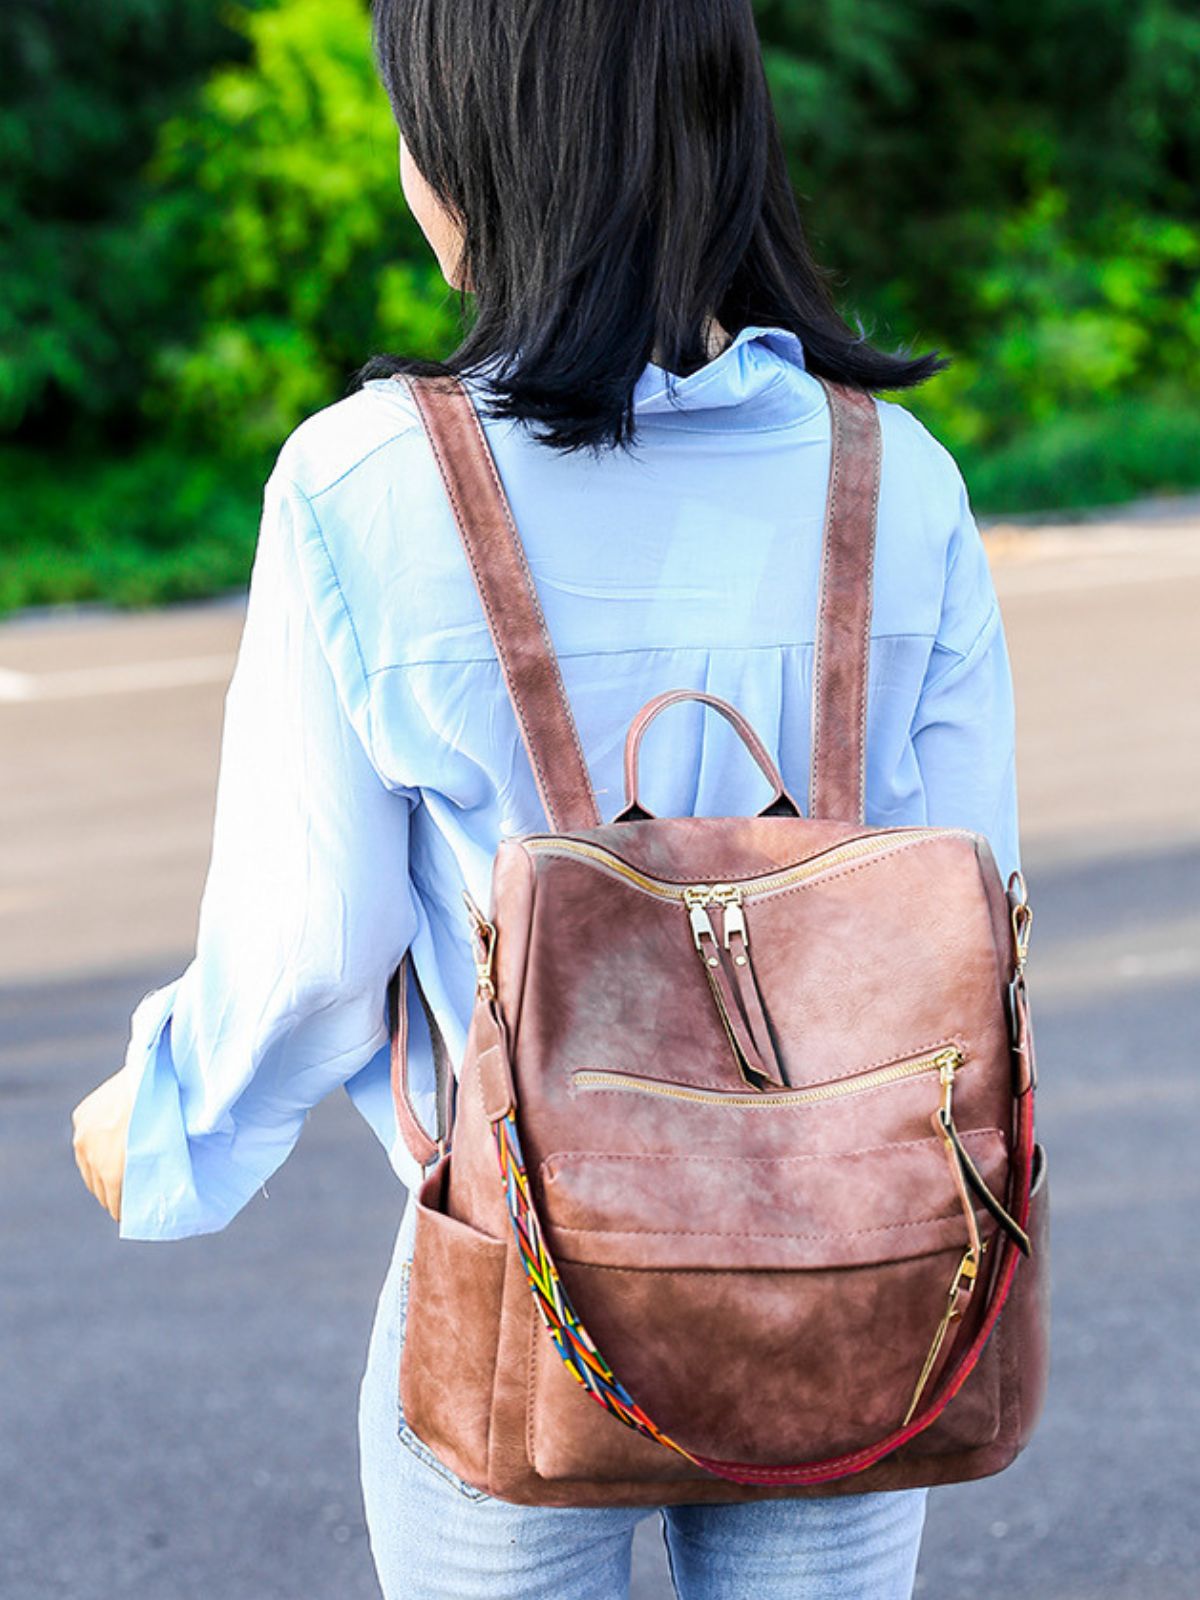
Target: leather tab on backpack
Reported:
[(492, 1064), (1021, 1034)]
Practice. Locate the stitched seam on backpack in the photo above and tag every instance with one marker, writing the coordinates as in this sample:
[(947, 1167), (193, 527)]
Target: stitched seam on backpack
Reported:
[(711, 1233), (864, 657), (833, 1155), (530, 1396)]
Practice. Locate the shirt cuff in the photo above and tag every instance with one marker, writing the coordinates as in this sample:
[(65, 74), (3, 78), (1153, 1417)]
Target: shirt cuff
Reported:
[(174, 1186)]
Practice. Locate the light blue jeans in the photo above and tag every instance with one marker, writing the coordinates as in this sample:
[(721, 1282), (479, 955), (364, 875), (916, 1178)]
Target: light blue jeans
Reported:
[(435, 1537)]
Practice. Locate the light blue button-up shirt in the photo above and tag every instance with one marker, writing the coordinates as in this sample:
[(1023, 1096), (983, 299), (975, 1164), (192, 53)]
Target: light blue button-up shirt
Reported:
[(370, 761)]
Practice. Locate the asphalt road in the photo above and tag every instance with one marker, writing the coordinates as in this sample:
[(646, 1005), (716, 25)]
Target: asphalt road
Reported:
[(178, 1420)]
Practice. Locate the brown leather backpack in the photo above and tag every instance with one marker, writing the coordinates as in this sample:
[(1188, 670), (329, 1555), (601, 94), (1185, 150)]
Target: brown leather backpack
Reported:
[(736, 1194)]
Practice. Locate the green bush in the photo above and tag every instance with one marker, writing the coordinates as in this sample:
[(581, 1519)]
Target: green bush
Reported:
[(1072, 316), (1136, 445), (279, 194), (202, 236), (156, 526), (83, 295)]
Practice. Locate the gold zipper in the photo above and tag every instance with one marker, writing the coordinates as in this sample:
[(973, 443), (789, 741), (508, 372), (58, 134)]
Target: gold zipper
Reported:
[(695, 898), (946, 1061), (723, 893), (966, 1273)]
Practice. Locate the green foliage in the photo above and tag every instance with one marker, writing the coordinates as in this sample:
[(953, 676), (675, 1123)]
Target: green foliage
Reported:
[(153, 527), (202, 235), (82, 298), (279, 193), (1071, 316), (1132, 446)]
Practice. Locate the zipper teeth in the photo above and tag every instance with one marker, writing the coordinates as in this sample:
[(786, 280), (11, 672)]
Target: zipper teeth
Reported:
[(765, 883), (770, 1099)]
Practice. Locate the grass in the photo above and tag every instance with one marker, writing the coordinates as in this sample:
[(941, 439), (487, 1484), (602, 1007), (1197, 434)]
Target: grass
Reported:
[(158, 526)]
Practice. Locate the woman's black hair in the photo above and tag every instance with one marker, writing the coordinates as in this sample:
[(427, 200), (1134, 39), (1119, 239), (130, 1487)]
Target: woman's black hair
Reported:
[(619, 174)]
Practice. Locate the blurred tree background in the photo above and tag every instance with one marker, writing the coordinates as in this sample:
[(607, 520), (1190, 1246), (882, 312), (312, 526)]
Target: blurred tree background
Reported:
[(202, 235)]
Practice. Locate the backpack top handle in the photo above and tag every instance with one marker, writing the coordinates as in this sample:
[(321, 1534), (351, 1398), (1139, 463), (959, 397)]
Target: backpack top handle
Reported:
[(780, 804)]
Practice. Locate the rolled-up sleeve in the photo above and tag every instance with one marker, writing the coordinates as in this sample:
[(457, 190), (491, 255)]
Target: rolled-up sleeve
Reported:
[(964, 731), (306, 910)]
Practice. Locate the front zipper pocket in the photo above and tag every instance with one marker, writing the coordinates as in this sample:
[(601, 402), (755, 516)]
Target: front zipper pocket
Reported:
[(737, 1279), (723, 935), (945, 1059)]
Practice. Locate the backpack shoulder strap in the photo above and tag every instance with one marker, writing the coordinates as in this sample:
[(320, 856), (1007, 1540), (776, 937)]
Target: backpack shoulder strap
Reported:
[(518, 629), (517, 625), (837, 788), (510, 603)]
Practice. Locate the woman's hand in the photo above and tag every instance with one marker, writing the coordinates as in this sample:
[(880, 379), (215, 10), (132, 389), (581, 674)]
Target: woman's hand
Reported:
[(101, 1121)]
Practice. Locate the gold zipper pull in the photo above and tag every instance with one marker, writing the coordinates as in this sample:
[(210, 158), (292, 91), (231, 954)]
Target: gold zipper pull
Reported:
[(738, 1001), (1022, 919), (960, 1290), (735, 921), (695, 897), (698, 896), (948, 1063), (735, 937), (702, 928)]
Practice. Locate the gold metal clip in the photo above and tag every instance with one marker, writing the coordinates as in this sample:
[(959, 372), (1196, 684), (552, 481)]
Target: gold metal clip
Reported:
[(483, 940), (1021, 917)]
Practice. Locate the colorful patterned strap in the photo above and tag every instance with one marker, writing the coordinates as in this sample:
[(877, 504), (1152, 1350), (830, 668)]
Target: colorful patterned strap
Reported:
[(571, 1339), (588, 1366)]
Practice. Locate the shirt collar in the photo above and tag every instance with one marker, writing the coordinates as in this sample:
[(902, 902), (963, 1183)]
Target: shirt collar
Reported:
[(752, 363), (742, 387)]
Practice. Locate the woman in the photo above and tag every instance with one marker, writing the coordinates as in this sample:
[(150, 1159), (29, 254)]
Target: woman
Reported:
[(608, 182)]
